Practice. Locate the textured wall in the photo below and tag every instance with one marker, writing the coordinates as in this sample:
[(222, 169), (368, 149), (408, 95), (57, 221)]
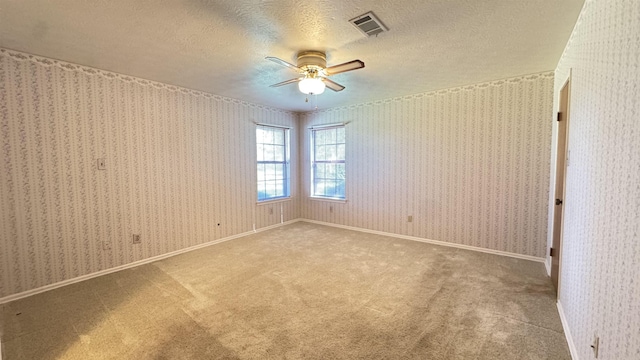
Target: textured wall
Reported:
[(470, 164), (177, 165), (600, 289)]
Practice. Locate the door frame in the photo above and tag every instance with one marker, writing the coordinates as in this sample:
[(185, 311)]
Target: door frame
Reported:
[(566, 119)]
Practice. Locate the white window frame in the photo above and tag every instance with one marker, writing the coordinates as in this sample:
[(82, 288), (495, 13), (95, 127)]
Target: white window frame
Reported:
[(314, 162), (285, 163)]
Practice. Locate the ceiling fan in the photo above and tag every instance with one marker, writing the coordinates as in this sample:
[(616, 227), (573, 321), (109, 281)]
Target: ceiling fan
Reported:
[(314, 73)]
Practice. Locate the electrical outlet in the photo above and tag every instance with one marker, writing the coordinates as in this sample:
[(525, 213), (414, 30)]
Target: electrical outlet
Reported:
[(410, 218), (106, 245), (102, 164), (136, 239)]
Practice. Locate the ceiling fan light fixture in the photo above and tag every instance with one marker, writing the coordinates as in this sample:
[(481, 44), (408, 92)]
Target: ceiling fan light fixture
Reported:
[(313, 72), (313, 86)]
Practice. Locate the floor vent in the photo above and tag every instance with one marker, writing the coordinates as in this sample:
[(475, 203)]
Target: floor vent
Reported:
[(368, 24)]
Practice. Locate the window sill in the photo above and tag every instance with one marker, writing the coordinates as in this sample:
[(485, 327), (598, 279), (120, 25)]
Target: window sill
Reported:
[(334, 200), (273, 201)]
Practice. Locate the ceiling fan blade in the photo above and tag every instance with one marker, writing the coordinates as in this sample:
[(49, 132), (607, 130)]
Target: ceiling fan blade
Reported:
[(283, 63), (333, 85), (290, 81), (348, 66)]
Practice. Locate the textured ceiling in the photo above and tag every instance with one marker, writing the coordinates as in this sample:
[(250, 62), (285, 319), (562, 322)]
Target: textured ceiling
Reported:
[(220, 46)]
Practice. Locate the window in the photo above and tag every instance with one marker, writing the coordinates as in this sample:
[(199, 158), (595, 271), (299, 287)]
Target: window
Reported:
[(327, 162), (272, 145)]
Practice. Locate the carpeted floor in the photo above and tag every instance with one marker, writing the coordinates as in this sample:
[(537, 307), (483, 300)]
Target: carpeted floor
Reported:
[(302, 291)]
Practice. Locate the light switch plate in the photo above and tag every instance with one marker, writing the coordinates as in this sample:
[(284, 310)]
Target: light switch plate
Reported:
[(102, 164)]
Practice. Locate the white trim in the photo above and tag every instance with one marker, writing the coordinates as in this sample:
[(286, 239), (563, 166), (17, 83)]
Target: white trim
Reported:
[(327, 199), (429, 241), (567, 333), (547, 265), (273, 201), (275, 126), (325, 126), (45, 288), (567, 82)]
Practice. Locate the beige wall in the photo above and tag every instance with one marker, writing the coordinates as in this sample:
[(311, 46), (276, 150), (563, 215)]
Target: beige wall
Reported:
[(470, 164), (178, 163), (600, 286)]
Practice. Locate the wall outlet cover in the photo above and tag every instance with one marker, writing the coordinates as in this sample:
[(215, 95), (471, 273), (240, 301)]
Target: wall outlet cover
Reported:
[(102, 164)]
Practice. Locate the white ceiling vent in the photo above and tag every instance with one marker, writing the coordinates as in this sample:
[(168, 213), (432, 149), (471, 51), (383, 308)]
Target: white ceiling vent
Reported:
[(369, 24)]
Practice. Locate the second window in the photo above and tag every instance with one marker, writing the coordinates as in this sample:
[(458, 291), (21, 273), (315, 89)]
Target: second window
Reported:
[(328, 162)]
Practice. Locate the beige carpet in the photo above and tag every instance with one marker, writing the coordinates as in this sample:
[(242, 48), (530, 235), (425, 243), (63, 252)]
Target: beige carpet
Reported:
[(302, 291)]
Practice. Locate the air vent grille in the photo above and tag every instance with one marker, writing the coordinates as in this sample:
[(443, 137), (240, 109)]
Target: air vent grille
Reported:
[(368, 24)]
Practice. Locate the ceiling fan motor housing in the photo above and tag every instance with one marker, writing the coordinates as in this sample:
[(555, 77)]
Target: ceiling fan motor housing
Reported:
[(312, 60)]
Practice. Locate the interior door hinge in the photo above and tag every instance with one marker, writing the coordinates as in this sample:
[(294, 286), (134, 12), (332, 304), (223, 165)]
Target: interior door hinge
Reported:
[(551, 252), (559, 117)]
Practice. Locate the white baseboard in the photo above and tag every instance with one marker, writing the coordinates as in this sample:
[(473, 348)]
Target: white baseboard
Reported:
[(435, 242), (567, 332), (42, 289)]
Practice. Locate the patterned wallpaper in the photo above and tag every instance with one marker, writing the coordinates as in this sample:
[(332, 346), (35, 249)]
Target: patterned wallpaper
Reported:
[(470, 164), (176, 167), (600, 289)]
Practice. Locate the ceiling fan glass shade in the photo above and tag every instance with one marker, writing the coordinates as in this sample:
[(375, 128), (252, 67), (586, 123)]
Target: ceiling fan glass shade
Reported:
[(313, 86)]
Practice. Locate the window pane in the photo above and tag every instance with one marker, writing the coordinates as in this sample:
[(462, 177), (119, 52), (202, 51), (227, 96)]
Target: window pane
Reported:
[(270, 171), (272, 157), (340, 172), (260, 152), (270, 188), (340, 138), (279, 174), (319, 173), (331, 152), (330, 171), (328, 156), (318, 187), (262, 192), (340, 152), (340, 188), (268, 137), (321, 153), (269, 153), (329, 188), (331, 136), (318, 138), (278, 137), (278, 152)]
